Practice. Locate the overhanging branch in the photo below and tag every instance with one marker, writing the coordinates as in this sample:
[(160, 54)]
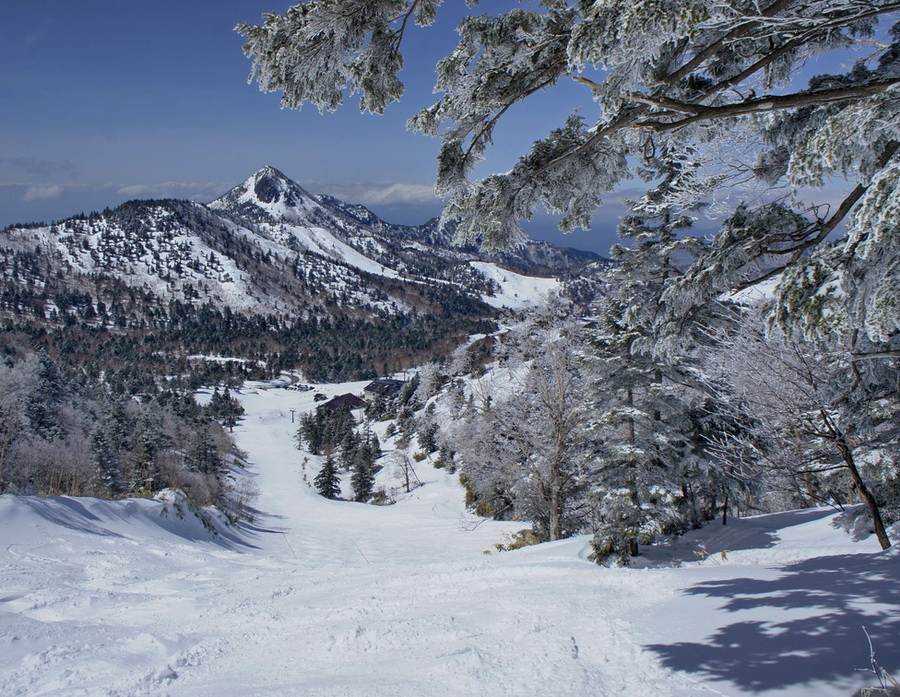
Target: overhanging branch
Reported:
[(702, 112)]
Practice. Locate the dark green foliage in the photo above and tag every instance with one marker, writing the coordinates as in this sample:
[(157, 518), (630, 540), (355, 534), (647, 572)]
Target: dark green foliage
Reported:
[(363, 479), (203, 456), (380, 408), (325, 429), (428, 436), (327, 481), (147, 440), (105, 457), (72, 434), (224, 408), (46, 397), (349, 447), (407, 396)]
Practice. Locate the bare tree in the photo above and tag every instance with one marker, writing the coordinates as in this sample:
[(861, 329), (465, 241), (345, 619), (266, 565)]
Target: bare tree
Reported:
[(522, 443), (816, 411), (404, 467)]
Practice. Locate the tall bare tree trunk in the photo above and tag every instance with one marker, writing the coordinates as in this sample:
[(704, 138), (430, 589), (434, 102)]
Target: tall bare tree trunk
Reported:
[(864, 493)]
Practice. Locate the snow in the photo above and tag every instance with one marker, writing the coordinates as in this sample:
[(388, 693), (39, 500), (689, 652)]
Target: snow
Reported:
[(323, 242), (516, 291), (327, 598), (761, 292)]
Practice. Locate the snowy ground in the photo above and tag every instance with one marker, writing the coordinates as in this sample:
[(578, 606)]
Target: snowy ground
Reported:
[(516, 291), (322, 598)]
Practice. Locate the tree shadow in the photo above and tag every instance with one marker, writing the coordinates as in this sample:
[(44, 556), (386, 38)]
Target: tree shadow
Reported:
[(850, 594), (74, 513), (758, 532), (68, 513)]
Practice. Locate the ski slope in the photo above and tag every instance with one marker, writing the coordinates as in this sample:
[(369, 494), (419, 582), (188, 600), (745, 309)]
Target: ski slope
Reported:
[(321, 598), (515, 290)]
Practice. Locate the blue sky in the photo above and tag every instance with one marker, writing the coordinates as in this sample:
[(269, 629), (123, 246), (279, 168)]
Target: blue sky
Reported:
[(108, 100), (102, 101)]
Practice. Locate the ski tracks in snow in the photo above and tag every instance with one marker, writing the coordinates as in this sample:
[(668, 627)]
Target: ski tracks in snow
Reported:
[(366, 601), (436, 631)]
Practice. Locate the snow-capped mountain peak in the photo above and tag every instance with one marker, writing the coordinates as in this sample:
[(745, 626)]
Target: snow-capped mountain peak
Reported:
[(269, 196), (271, 186)]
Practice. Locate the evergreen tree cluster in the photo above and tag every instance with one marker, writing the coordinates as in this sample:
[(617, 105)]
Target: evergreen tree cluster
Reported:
[(70, 434), (328, 431), (579, 427), (325, 429), (224, 408)]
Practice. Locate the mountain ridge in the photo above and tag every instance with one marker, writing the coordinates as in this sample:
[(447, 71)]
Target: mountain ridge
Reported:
[(254, 274)]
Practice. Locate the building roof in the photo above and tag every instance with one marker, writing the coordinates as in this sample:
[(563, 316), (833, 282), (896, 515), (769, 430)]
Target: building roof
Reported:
[(385, 386), (351, 401)]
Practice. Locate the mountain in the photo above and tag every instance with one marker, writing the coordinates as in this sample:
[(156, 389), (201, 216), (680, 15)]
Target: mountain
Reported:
[(268, 255), (271, 199)]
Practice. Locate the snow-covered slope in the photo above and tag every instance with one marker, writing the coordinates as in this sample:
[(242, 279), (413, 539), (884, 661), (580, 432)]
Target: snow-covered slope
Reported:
[(515, 290), (327, 598)]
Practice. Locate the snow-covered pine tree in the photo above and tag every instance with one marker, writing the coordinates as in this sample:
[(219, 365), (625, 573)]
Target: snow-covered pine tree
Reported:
[(649, 479), (349, 448), (655, 473), (723, 84), (49, 389), (145, 441), (106, 460), (203, 456)]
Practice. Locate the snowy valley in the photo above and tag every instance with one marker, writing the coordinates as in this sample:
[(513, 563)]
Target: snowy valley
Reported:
[(542, 513), (324, 598), (266, 443)]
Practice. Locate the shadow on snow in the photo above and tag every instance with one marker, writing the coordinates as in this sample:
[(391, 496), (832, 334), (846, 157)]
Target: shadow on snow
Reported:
[(846, 593)]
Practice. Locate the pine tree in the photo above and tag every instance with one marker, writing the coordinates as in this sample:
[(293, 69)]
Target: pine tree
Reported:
[(327, 481), (710, 83), (144, 445), (362, 480), (106, 459), (203, 455), (428, 436), (349, 448), (374, 444), (48, 392)]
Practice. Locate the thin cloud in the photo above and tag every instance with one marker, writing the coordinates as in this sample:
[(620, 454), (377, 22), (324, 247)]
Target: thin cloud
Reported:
[(400, 193), (40, 193), (397, 193), (174, 189), (136, 190)]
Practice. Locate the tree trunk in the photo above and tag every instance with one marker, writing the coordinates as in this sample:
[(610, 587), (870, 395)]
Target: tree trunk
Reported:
[(555, 504), (864, 493), (629, 423), (810, 490)]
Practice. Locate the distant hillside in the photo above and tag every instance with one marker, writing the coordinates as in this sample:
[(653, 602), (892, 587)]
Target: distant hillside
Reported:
[(266, 269)]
